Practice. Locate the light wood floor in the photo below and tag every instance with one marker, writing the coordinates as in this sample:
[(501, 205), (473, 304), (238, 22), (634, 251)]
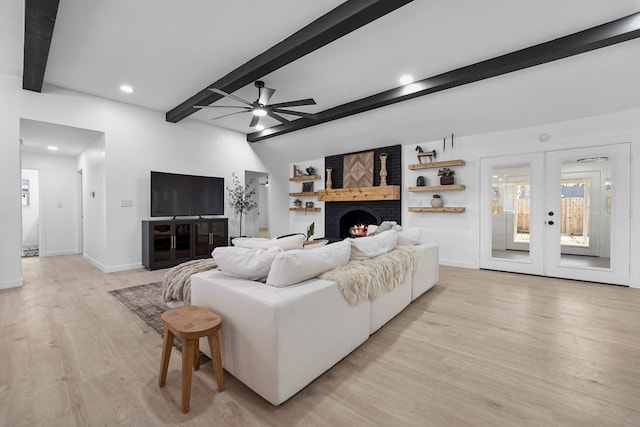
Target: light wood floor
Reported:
[(481, 348)]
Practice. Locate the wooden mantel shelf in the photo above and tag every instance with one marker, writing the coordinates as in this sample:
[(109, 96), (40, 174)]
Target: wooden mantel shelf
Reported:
[(388, 192)]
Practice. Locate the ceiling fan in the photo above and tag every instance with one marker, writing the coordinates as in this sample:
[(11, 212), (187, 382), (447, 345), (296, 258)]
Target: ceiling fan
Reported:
[(261, 107)]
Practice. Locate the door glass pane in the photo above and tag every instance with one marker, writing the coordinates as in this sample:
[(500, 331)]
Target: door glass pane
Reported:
[(585, 213), (511, 211)]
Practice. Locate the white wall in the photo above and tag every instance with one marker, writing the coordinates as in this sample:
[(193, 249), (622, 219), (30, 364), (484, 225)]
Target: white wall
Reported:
[(458, 234), (94, 226), (59, 202), (136, 141), (31, 212)]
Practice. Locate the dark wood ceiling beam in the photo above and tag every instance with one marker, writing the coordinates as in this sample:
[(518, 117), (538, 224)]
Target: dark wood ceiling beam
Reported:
[(342, 20), (39, 21), (608, 34)]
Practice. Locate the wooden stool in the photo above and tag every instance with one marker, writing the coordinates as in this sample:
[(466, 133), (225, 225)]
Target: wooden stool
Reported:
[(190, 323)]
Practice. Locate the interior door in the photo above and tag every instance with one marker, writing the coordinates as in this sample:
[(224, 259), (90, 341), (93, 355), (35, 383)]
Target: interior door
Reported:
[(561, 213)]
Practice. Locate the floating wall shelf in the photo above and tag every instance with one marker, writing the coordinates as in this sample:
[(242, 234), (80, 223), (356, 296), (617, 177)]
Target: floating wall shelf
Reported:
[(443, 164), (445, 209), (437, 188), (304, 209), (303, 194), (305, 178), (388, 192)]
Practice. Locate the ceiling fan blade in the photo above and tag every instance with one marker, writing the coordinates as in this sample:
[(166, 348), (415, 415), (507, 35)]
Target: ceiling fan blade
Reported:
[(278, 117), (296, 113), (298, 103), (265, 95), (227, 115), (223, 93), (221, 106), (254, 121)]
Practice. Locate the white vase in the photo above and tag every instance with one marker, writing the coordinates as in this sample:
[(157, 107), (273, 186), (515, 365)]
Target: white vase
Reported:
[(437, 202)]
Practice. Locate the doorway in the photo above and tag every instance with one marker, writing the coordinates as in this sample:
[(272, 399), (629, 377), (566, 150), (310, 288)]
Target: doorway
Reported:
[(30, 194), (257, 220), (561, 213)]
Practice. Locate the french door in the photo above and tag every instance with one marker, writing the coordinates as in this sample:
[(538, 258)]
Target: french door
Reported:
[(560, 213)]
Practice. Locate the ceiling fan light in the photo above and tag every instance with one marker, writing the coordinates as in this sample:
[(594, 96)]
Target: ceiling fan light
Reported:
[(260, 112)]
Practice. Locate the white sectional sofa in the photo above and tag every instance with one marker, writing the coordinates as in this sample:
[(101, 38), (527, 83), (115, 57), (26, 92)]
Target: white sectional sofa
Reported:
[(276, 340)]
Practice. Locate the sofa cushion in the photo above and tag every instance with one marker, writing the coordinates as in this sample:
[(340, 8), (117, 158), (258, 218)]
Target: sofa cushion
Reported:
[(299, 265), (252, 264), (370, 246), (410, 236), (285, 243)]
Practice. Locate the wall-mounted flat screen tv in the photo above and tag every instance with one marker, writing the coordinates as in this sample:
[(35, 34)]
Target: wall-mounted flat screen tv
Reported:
[(174, 194)]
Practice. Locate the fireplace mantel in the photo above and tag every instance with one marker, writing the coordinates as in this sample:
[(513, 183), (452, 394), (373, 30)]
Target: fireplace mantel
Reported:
[(388, 192)]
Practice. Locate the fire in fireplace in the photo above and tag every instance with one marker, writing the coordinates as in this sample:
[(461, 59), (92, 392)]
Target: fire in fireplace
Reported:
[(358, 230)]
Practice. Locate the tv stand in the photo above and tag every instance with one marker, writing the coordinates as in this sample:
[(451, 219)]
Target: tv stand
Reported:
[(169, 242)]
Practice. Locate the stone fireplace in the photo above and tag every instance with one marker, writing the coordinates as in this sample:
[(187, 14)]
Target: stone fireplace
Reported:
[(342, 215)]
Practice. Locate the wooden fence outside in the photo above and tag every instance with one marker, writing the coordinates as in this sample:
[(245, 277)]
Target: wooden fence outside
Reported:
[(571, 215)]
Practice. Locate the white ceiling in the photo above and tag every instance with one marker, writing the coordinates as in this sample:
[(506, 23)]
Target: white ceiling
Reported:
[(36, 136), (169, 50)]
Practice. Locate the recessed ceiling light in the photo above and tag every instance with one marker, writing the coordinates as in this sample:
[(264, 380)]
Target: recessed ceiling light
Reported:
[(406, 79), (260, 127), (52, 148), (126, 89)]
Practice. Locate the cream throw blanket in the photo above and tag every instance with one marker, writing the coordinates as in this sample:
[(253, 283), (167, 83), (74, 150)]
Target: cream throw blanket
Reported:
[(362, 279), (176, 283)]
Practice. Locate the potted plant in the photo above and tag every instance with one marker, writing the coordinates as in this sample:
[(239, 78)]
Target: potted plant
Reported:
[(446, 176), (437, 201), (297, 203), (310, 230), (241, 197)]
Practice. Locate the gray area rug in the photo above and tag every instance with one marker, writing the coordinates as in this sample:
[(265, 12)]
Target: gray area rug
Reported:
[(145, 302)]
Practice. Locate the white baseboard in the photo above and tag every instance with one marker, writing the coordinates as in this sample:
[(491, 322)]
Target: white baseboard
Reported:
[(95, 263), (11, 284), (453, 263), (59, 253), (122, 267), (111, 269)]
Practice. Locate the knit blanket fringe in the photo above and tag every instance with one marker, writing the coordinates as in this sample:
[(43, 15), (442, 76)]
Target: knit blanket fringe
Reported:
[(176, 283), (362, 279)]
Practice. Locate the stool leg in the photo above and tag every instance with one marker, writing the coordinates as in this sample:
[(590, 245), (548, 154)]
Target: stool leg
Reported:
[(166, 355), (196, 355), (187, 372), (216, 359)]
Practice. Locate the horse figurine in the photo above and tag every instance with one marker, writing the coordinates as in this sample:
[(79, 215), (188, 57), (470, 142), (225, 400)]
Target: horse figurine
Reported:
[(421, 153)]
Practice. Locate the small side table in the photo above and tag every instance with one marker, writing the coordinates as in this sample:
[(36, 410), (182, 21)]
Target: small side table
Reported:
[(190, 323)]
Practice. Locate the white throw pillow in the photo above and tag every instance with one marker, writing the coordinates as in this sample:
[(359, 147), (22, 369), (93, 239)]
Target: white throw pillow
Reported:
[(370, 246), (410, 236), (285, 243), (299, 265), (252, 264), (388, 225)]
